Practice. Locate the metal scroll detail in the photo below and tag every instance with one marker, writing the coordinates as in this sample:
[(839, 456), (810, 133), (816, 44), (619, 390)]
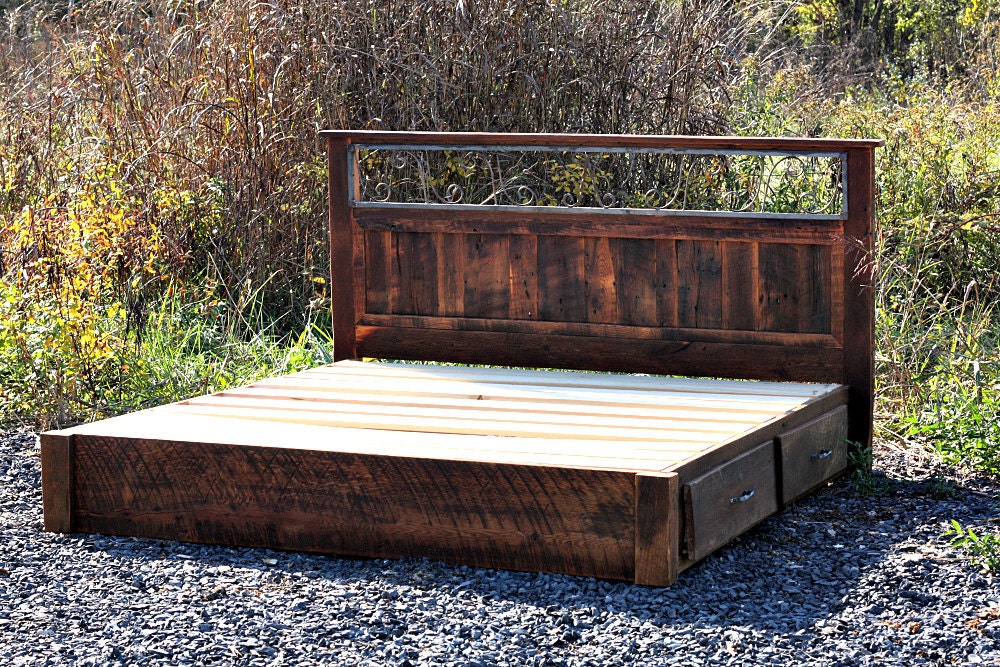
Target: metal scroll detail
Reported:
[(759, 182)]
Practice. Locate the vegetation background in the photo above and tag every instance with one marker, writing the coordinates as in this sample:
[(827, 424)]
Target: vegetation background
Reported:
[(162, 220)]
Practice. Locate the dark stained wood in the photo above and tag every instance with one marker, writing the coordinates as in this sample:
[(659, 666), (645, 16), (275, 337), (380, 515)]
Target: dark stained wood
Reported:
[(416, 274), (562, 295), (57, 481), (489, 515), (708, 265), (812, 453), (667, 288), (623, 332), (634, 263), (378, 269), (450, 274), (561, 221), (739, 286), (487, 276), (815, 288), (343, 256), (600, 282), (699, 284), (779, 287), (657, 528), (859, 299), (598, 140), (730, 499), (523, 277), (764, 362)]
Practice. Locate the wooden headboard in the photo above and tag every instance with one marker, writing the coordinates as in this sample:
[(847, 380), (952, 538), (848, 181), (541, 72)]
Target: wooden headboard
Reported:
[(645, 254)]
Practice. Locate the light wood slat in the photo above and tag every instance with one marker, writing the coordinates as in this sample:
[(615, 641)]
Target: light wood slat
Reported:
[(492, 391), (444, 425), (663, 415), (167, 424), (573, 379), (472, 416)]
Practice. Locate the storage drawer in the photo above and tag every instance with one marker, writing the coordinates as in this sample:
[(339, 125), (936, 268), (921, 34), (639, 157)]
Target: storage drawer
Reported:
[(729, 499), (812, 453)]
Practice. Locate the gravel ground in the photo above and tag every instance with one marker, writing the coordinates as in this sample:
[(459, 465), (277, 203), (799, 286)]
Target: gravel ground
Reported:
[(838, 579)]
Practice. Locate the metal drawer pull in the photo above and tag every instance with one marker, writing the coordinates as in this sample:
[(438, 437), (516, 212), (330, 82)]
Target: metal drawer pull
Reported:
[(823, 454), (747, 495)]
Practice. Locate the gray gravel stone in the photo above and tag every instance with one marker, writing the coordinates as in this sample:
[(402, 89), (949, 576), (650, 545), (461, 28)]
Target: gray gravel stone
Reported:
[(837, 579)]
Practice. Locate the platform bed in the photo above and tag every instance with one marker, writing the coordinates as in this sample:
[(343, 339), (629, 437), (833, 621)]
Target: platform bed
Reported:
[(627, 475)]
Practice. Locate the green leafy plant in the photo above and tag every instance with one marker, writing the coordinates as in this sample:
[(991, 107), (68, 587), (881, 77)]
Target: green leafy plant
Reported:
[(984, 550)]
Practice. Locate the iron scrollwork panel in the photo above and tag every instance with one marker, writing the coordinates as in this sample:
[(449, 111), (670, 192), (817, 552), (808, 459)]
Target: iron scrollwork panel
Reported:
[(601, 179)]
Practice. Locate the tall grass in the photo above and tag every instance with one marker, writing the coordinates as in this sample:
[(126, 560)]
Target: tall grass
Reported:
[(162, 199)]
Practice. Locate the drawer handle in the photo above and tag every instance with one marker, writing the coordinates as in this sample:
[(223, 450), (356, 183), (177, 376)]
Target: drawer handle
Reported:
[(824, 454), (747, 495)]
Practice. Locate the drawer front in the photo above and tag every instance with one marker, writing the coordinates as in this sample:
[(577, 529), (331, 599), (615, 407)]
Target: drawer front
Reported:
[(812, 453), (729, 499)]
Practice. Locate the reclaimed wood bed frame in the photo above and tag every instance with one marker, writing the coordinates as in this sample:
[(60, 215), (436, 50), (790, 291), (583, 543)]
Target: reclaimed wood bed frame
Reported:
[(626, 475)]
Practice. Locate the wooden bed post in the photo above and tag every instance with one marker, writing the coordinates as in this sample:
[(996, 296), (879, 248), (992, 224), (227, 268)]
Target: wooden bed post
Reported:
[(57, 482), (859, 299), (344, 261)]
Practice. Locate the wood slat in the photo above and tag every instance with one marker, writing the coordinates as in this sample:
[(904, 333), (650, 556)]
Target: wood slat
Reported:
[(739, 286), (517, 411), (634, 262), (193, 425), (378, 271), (487, 276), (663, 357), (439, 423), (599, 281), (561, 221), (450, 274), (814, 314), (623, 382), (780, 275), (623, 333), (667, 287), (700, 419), (416, 267), (594, 395), (523, 277), (562, 279)]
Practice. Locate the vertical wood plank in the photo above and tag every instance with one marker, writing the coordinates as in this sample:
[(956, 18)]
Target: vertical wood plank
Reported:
[(487, 276), (739, 286), (657, 528), (450, 274), (599, 278), (524, 277), (699, 284), (837, 262), (708, 264), (779, 288), (57, 482), (687, 285), (666, 282), (416, 259), (342, 251), (635, 276), (561, 288), (859, 299), (814, 285), (378, 265)]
